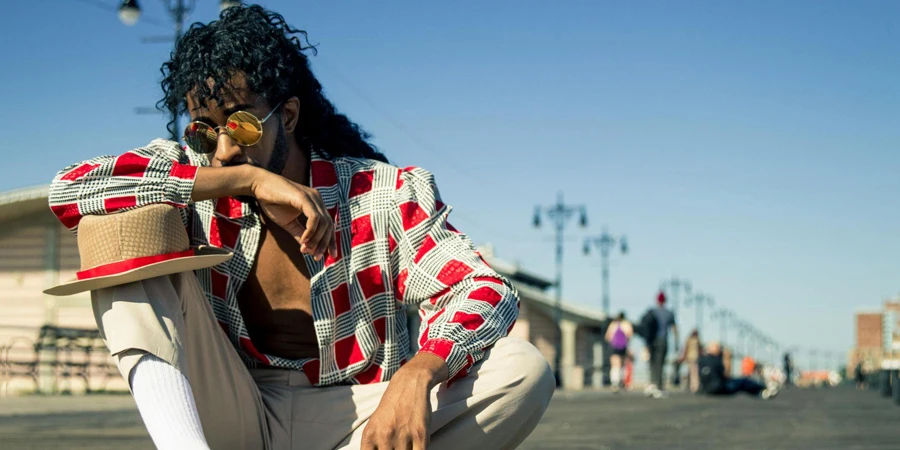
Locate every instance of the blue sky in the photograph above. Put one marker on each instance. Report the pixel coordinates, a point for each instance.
(748, 146)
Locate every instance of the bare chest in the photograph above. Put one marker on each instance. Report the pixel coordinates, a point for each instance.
(275, 300)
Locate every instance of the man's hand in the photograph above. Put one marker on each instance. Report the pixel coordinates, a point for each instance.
(292, 206)
(402, 418)
(297, 209)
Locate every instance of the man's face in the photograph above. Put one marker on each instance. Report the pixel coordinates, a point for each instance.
(269, 152)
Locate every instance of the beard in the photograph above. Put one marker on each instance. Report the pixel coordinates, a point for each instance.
(279, 152)
(276, 161)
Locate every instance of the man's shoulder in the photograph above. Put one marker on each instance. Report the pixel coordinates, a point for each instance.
(381, 173)
(175, 151)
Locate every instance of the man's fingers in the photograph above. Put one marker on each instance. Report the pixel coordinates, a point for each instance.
(332, 247)
(368, 443)
(319, 239)
(295, 229)
(419, 439)
(319, 226)
(323, 240)
(312, 218)
(401, 441)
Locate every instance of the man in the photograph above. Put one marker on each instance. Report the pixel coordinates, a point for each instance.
(665, 320)
(330, 244)
(788, 369)
(714, 381)
(859, 376)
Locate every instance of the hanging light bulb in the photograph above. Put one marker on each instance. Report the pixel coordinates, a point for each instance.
(129, 12)
(225, 4)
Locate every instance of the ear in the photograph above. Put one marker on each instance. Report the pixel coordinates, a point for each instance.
(290, 114)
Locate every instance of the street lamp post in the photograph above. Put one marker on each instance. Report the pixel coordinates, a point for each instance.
(770, 348)
(606, 243)
(742, 329)
(130, 13)
(751, 342)
(560, 213)
(722, 315)
(676, 284)
(698, 300)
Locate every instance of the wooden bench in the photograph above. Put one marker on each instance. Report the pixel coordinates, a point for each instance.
(60, 355)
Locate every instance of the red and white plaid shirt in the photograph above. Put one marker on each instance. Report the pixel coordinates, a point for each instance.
(394, 243)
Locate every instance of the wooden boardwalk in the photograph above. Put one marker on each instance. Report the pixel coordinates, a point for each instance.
(841, 418)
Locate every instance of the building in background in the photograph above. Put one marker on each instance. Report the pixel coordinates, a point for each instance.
(877, 336)
(36, 251)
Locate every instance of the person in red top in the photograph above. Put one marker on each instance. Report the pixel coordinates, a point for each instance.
(748, 366)
(331, 243)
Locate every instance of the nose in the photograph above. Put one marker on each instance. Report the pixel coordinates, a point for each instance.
(227, 151)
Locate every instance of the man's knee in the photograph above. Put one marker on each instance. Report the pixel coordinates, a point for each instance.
(140, 318)
(529, 371)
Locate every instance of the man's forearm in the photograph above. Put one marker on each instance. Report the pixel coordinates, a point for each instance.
(429, 367)
(219, 182)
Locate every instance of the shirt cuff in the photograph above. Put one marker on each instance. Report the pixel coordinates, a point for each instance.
(457, 358)
(180, 184)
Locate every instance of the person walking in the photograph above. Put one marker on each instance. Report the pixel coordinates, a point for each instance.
(662, 319)
(689, 356)
(788, 368)
(618, 335)
(859, 376)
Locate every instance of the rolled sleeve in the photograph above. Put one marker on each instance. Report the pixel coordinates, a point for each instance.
(465, 305)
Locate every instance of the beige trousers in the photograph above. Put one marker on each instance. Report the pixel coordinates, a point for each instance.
(495, 407)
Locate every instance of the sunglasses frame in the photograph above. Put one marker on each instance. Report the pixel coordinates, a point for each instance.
(230, 133)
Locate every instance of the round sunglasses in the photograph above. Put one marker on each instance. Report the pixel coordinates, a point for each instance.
(245, 128)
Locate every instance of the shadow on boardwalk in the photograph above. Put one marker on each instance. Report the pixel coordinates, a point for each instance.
(840, 418)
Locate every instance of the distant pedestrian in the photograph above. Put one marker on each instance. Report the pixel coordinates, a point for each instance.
(690, 355)
(655, 327)
(859, 376)
(788, 369)
(727, 360)
(714, 381)
(748, 366)
(618, 334)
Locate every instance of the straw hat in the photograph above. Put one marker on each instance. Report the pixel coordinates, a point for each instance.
(135, 245)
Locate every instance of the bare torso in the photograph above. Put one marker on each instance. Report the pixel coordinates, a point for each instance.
(275, 299)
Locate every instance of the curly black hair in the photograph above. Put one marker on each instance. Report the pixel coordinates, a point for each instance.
(258, 42)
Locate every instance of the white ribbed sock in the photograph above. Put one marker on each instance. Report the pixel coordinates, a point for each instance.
(164, 398)
(614, 377)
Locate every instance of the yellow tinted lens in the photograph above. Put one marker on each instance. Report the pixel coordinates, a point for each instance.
(244, 128)
(200, 137)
